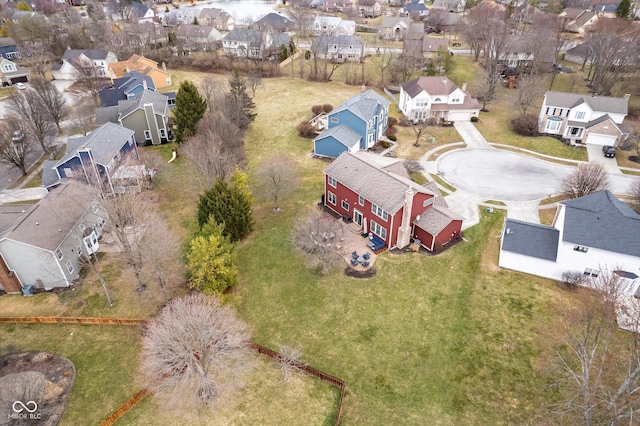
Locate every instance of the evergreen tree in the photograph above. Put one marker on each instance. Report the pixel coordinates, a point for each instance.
(211, 262)
(239, 95)
(227, 205)
(190, 108)
(624, 8)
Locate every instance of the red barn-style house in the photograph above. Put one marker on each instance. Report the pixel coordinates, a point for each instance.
(382, 200)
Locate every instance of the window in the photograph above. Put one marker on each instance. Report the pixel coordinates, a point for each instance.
(553, 124)
(588, 272)
(361, 200)
(335, 120)
(427, 202)
(581, 249)
(378, 230)
(147, 135)
(163, 133)
(379, 211)
(575, 130)
(580, 115)
(68, 172)
(332, 198)
(345, 205)
(7, 68)
(331, 181)
(370, 138)
(70, 267)
(59, 254)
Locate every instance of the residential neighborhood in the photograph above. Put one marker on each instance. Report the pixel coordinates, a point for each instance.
(320, 212)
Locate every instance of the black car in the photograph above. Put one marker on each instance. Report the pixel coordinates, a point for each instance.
(609, 151)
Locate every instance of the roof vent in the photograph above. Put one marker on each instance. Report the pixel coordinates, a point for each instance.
(37, 223)
(509, 231)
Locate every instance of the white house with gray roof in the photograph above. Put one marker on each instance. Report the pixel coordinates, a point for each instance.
(583, 118)
(252, 43)
(83, 62)
(589, 234)
(436, 97)
(339, 48)
(41, 244)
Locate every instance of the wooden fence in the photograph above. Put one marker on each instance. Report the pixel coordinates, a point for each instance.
(121, 411)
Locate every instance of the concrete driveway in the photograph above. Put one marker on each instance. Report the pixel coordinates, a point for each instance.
(507, 176)
(596, 155)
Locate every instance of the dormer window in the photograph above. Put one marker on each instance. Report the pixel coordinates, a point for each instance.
(580, 115)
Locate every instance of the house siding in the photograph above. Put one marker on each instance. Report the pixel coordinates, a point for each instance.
(330, 147)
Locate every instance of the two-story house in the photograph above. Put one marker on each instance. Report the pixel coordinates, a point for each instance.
(147, 114)
(252, 43)
(95, 158)
(125, 87)
(395, 28)
(437, 97)
(160, 77)
(383, 201)
(43, 245)
(583, 118)
(198, 37)
(339, 48)
(9, 48)
(332, 25)
(76, 62)
(358, 123)
(220, 19)
(11, 73)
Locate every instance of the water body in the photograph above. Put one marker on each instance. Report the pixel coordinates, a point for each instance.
(243, 11)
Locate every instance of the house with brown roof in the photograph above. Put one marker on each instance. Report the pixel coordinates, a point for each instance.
(387, 205)
(583, 118)
(220, 19)
(579, 21)
(198, 37)
(370, 8)
(161, 78)
(522, 51)
(146, 33)
(437, 97)
(41, 245)
(420, 46)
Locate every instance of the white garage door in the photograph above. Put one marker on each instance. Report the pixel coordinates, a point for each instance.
(459, 116)
(597, 139)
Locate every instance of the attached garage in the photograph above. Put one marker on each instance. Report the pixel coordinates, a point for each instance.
(600, 139)
(459, 116)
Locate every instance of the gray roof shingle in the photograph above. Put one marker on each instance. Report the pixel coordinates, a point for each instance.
(364, 105)
(602, 221)
(596, 103)
(530, 239)
(435, 219)
(105, 142)
(343, 134)
(432, 85)
(379, 186)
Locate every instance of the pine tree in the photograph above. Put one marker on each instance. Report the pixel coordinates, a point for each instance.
(227, 205)
(624, 8)
(239, 95)
(190, 108)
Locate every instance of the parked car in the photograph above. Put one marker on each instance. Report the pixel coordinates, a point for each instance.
(609, 151)
(20, 86)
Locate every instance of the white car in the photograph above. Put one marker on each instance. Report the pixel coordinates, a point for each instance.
(20, 86)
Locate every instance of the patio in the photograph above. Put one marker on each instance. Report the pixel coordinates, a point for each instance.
(352, 244)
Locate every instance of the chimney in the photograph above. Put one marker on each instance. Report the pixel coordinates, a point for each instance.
(363, 88)
(164, 67)
(627, 96)
(404, 232)
(464, 87)
(144, 84)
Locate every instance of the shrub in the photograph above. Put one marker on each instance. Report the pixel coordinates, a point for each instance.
(327, 108)
(571, 279)
(385, 144)
(316, 109)
(392, 121)
(392, 138)
(404, 121)
(474, 119)
(306, 130)
(526, 125)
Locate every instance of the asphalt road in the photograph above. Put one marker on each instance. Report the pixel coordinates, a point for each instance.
(507, 176)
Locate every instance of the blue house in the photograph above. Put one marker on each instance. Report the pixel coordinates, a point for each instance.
(364, 115)
(127, 87)
(96, 158)
(9, 49)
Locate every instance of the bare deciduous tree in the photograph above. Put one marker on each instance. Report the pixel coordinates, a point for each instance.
(413, 166)
(419, 127)
(382, 59)
(195, 350)
(86, 261)
(586, 179)
(52, 101)
(402, 68)
(316, 233)
(160, 250)
(302, 14)
(82, 115)
(254, 82)
(529, 89)
(289, 360)
(276, 177)
(601, 366)
(15, 144)
(29, 108)
(211, 90)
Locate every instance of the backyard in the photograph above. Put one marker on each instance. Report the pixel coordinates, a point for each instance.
(449, 338)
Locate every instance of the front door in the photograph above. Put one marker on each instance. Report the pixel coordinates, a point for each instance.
(357, 217)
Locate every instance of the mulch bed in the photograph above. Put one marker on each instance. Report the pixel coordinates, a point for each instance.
(350, 272)
(40, 381)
